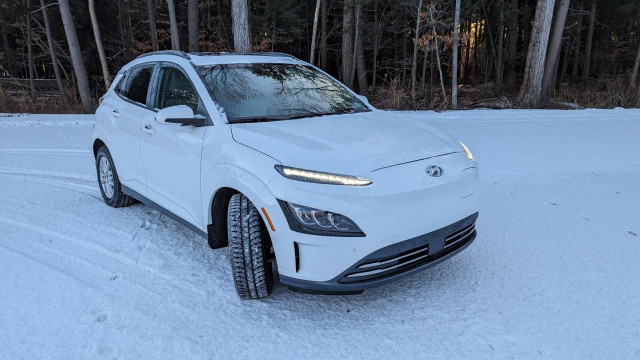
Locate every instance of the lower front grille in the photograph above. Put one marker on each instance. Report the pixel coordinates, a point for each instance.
(376, 266)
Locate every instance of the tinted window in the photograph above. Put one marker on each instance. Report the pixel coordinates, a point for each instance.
(175, 89)
(262, 92)
(136, 85)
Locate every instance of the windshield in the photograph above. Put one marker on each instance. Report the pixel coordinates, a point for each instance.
(268, 92)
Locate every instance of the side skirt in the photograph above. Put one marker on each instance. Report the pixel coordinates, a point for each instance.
(134, 194)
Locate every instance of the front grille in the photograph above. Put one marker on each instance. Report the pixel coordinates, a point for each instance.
(378, 267)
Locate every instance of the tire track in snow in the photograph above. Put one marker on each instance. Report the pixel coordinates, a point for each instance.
(91, 191)
(45, 151)
(101, 249)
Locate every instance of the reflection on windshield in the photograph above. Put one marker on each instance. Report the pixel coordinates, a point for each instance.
(264, 92)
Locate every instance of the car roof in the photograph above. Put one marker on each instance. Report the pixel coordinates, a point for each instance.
(211, 58)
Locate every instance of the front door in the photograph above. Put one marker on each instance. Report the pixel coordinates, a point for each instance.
(172, 152)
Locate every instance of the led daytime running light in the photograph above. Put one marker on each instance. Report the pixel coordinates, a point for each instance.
(321, 177)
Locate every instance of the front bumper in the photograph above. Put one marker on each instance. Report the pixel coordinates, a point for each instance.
(395, 261)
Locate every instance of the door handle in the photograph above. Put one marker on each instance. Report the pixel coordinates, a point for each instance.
(116, 113)
(148, 129)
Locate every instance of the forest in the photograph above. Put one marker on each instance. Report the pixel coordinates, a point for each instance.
(401, 54)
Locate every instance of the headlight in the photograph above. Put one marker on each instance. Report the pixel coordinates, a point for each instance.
(308, 220)
(466, 150)
(320, 177)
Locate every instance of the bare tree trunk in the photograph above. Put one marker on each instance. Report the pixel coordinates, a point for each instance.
(52, 53)
(576, 54)
(347, 39)
(76, 56)
(314, 34)
(512, 44)
(634, 73)
(565, 63)
(355, 46)
(500, 46)
(592, 23)
(423, 78)
(323, 36)
(467, 61)
(376, 44)
(360, 66)
(435, 36)
(175, 36)
(454, 77)
(193, 20)
(5, 42)
(96, 34)
(240, 17)
(414, 64)
(531, 90)
(122, 27)
(32, 84)
(151, 10)
(553, 54)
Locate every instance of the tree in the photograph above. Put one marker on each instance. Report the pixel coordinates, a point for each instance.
(531, 90)
(76, 56)
(347, 39)
(52, 54)
(414, 64)
(323, 35)
(500, 46)
(634, 72)
(240, 17)
(454, 77)
(314, 34)
(96, 34)
(5, 40)
(592, 22)
(512, 42)
(32, 84)
(175, 36)
(553, 54)
(151, 11)
(194, 22)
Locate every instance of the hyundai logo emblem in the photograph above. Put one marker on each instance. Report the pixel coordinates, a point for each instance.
(434, 171)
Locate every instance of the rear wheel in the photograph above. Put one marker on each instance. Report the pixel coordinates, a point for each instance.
(249, 249)
(108, 180)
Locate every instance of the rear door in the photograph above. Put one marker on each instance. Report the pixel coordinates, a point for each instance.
(171, 152)
(125, 120)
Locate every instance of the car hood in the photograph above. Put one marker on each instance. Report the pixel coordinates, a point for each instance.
(352, 144)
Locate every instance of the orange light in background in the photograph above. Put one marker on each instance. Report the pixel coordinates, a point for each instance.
(268, 219)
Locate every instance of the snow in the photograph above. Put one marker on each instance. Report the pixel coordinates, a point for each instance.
(553, 273)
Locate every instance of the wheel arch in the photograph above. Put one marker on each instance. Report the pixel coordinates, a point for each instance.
(97, 144)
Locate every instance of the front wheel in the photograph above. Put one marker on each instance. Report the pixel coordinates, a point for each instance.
(249, 249)
(108, 180)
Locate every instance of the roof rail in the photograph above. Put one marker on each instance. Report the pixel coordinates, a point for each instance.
(182, 54)
(269, 53)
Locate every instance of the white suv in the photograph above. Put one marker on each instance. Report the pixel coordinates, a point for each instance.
(275, 158)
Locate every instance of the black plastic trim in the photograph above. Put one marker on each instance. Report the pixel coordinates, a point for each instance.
(435, 237)
(294, 225)
(150, 203)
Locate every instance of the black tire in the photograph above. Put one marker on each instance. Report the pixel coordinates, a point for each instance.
(249, 249)
(117, 198)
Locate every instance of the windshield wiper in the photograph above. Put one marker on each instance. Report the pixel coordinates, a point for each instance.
(241, 120)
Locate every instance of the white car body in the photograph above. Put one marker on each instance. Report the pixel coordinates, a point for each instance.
(180, 169)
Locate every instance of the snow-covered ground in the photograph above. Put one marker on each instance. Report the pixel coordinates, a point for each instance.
(554, 272)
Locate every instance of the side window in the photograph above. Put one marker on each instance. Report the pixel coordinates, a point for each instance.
(175, 89)
(136, 85)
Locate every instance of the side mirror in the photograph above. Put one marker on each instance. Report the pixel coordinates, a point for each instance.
(180, 114)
